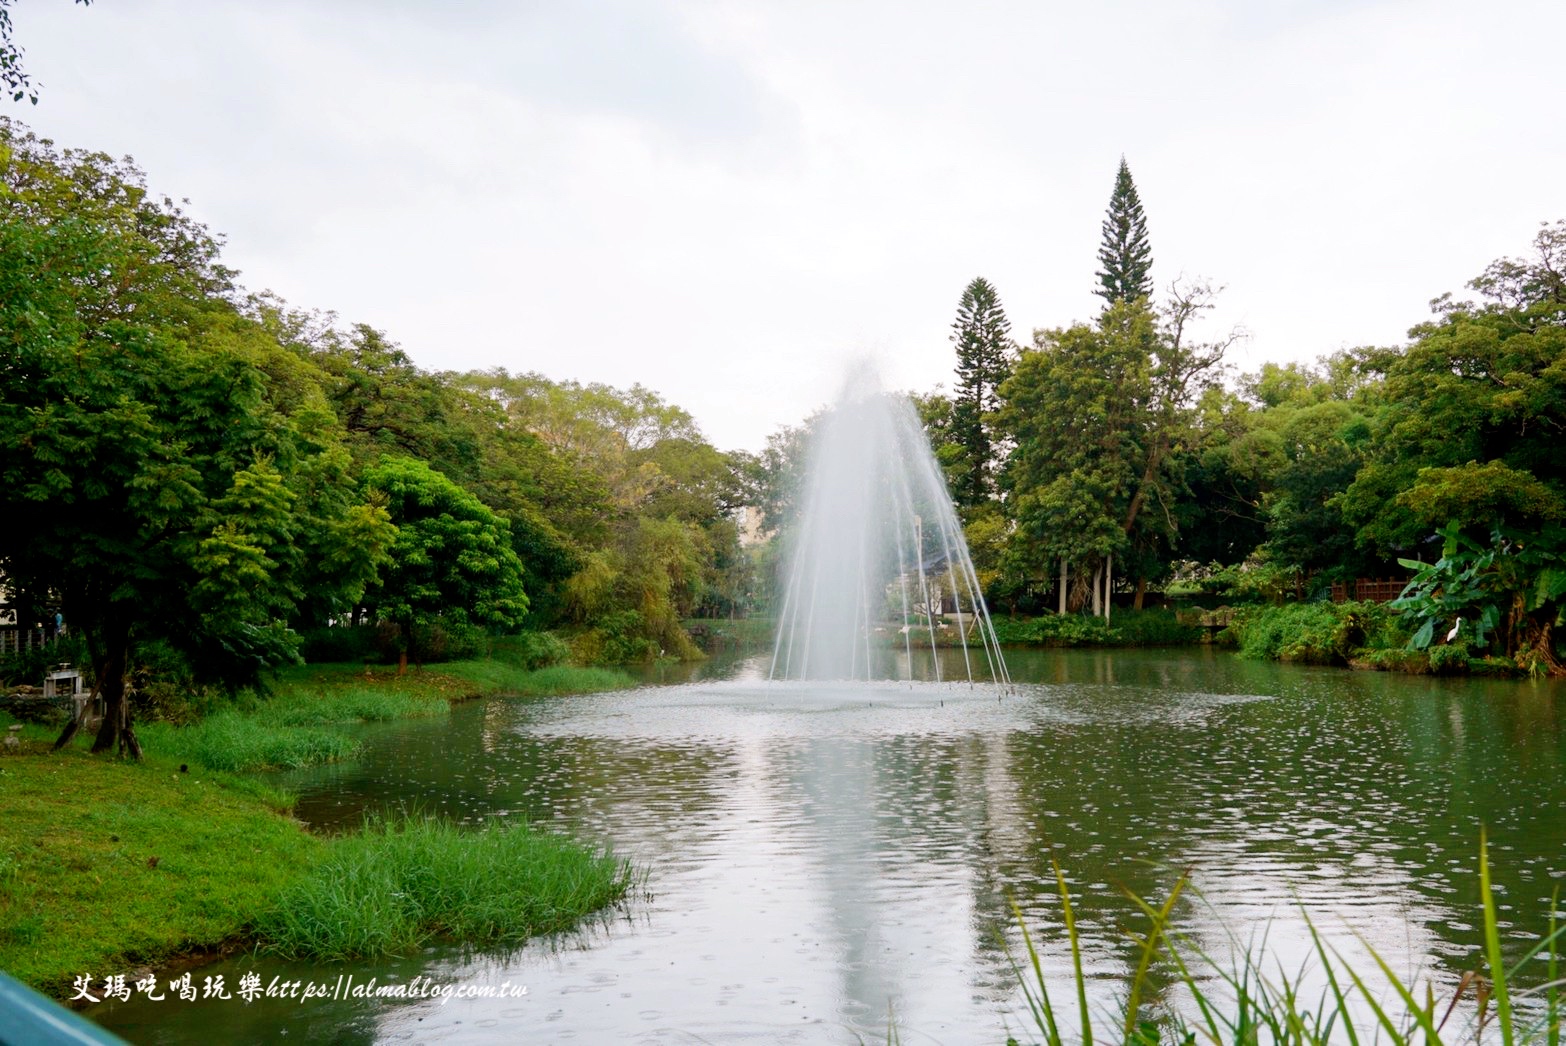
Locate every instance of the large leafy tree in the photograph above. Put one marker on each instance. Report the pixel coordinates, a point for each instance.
(1074, 408)
(1104, 419)
(451, 559)
(660, 543)
(1474, 412)
(981, 333)
(1124, 255)
(152, 472)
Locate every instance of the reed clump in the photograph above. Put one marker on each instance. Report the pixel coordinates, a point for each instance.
(231, 741)
(395, 885)
(1247, 1003)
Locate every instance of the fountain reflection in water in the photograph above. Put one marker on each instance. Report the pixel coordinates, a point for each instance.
(878, 562)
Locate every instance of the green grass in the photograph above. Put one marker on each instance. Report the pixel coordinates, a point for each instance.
(232, 741)
(1250, 1003)
(497, 677)
(106, 864)
(390, 888)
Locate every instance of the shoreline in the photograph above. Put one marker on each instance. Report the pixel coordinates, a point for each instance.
(113, 867)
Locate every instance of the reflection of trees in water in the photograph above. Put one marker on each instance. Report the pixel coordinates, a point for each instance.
(1360, 794)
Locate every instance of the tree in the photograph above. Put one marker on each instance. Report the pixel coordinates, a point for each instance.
(1474, 412)
(1073, 409)
(451, 559)
(981, 334)
(1103, 420)
(1124, 253)
(149, 471)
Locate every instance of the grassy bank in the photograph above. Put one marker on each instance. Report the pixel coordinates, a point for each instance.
(110, 867)
(1126, 628)
(392, 887)
(298, 723)
(107, 866)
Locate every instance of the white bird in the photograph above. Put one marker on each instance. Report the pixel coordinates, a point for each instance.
(1455, 626)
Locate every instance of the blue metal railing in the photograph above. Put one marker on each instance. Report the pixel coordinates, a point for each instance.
(30, 1019)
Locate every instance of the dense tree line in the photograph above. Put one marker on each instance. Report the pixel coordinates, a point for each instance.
(1127, 454)
(187, 463)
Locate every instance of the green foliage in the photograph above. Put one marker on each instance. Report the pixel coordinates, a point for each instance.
(1257, 1001)
(27, 666)
(1101, 418)
(1474, 412)
(1131, 628)
(1124, 252)
(451, 559)
(531, 650)
(619, 638)
(1509, 593)
(392, 887)
(981, 334)
(153, 473)
(1309, 633)
(1257, 580)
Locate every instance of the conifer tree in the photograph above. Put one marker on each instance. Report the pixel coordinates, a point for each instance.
(1124, 254)
(981, 334)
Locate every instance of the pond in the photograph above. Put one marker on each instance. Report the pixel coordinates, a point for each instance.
(822, 860)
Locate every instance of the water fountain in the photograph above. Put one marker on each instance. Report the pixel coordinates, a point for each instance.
(878, 557)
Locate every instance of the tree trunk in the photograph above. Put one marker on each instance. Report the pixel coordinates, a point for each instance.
(1533, 645)
(1141, 593)
(78, 719)
(1098, 574)
(1109, 580)
(1062, 584)
(117, 731)
(407, 643)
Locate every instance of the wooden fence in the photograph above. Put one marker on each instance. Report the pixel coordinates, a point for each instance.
(1368, 590)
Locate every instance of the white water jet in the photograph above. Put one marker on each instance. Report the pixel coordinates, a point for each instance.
(878, 557)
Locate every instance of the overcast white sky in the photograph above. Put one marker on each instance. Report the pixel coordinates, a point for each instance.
(726, 201)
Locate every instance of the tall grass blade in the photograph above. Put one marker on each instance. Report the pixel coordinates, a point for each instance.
(1149, 949)
(1492, 943)
(1332, 980)
(1043, 1012)
(1076, 953)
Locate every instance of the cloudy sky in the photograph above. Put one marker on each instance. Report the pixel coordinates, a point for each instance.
(727, 201)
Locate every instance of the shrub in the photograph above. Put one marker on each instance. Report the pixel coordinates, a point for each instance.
(1308, 633)
(343, 643)
(1127, 628)
(1449, 660)
(531, 650)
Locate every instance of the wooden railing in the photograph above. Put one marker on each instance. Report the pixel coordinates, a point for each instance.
(1368, 590)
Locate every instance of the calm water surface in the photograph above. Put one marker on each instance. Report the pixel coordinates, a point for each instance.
(818, 857)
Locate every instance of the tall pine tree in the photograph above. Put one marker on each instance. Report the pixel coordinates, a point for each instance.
(981, 333)
(1124, 254)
